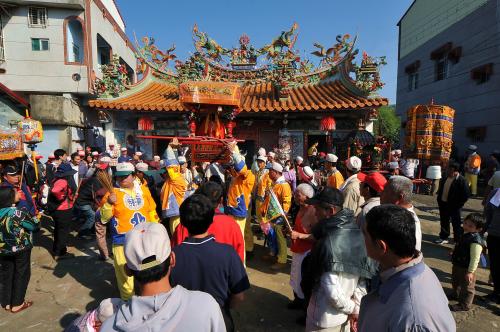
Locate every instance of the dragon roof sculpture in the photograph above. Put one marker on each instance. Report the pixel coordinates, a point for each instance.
(277, 62)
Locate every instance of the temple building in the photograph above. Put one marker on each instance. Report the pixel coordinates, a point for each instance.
(264, 96)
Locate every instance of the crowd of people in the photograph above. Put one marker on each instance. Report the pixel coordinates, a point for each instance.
(181, 235)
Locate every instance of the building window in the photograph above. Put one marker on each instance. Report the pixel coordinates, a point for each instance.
(104, 51)
(482, 74)
(476, 134)
(39, 44)
(76, 52)
(412, 71)
(442, 68)
(74, 43)
(37, 17)
(442, 57)
(412, 81)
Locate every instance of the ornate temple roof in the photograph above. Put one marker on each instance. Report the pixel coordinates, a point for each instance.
(158, 96)
(282, 81)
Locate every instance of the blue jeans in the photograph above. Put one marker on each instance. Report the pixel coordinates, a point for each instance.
(88, 215)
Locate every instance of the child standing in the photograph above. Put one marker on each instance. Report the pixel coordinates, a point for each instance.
(465, 258)
(16, 227)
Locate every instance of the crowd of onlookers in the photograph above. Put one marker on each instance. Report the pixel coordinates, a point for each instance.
(180, 231)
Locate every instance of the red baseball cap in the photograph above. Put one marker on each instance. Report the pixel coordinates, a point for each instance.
(375, 180)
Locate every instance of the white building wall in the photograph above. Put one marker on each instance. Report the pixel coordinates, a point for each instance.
(113, 10)
(40, 71)
(102, 26)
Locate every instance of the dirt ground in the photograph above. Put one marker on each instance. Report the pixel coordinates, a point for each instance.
(63, 290)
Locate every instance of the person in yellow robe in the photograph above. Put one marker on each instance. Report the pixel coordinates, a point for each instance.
(334, 178)
(173, 191)
(283, 193)
(126, 207)
(472, 169)
(239, 194)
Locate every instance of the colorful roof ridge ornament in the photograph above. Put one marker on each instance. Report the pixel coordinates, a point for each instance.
(114, 79)
(277, 62)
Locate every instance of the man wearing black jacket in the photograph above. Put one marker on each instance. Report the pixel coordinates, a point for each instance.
(335, 273)
(452, 194)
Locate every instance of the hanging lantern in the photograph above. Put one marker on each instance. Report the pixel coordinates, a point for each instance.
(145, 123)
(327, 123)
(11, 144)
(31, 130)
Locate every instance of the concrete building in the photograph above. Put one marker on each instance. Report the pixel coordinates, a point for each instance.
(50, 54)
(449, 51)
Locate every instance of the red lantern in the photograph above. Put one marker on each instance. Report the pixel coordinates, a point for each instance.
(145, 123)
(327, 123)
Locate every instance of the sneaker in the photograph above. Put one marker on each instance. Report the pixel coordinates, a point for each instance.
(442, 241)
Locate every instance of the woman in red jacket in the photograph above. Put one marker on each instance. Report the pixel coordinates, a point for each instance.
(62, 197)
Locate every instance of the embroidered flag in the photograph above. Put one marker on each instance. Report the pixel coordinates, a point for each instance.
(274, 209)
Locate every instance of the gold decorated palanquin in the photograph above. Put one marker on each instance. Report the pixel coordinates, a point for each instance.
(259, 85)
(429, 133)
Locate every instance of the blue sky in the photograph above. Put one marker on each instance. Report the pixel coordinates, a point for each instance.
(262, 20)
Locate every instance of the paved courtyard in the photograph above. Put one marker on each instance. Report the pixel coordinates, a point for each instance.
(63, 290)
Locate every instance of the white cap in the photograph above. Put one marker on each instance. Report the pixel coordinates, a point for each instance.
(331, 158)
(142, 167)
(397, 151)
(138, 153)
(393, 165)
(156, 158)
(472, 147)
(308, 171)
(105, 159)
(277, 167)
(261, 152)
(124, 169)
(182, 160)
(95, 153)
(299, 159)
(123, 149)
(147, 240)
(271, 154)
(353, 163)
(262, 158)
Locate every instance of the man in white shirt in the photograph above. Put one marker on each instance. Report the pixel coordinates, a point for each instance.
(75, 164)
(399, 191)
(350, 188)
(338, 266)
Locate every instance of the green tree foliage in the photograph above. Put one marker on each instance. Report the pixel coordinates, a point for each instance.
(388, 124)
